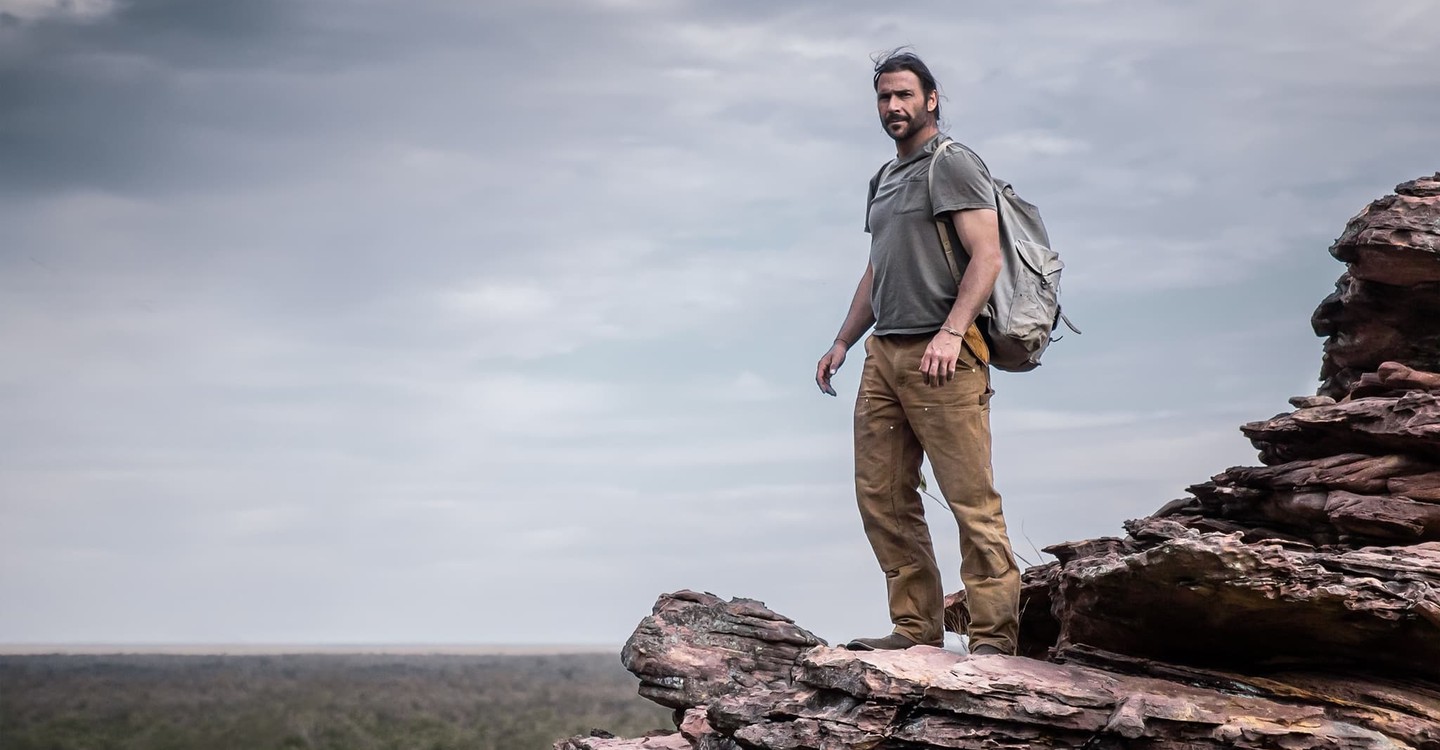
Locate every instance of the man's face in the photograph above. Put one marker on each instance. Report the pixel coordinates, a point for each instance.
(904, 107)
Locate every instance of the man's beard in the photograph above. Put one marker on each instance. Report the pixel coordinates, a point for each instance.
(912, 126)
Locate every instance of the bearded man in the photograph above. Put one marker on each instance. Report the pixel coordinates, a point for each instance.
(925, 386)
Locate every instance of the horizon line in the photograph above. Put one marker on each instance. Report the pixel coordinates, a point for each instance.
(275, 649)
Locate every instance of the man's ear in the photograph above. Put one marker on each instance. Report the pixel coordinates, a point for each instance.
(932, 102)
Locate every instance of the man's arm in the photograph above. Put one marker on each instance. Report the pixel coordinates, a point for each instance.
(857, 321)
(979, 231)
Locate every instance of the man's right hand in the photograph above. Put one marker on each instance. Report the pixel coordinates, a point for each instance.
(829, 365)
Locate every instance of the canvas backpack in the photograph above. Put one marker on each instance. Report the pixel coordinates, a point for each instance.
(1024, 309)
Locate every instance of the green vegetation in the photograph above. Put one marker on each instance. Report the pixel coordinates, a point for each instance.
(297, 702)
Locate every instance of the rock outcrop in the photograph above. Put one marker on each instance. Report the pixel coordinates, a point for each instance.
(1385, 305)
(1290, 605)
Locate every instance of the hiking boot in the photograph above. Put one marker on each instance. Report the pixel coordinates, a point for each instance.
(987, 649)
(892, 642)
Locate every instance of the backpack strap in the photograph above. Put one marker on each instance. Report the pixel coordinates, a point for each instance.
(974, 337)
(942, 226)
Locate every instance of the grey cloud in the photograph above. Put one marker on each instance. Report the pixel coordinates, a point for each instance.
(340, 309)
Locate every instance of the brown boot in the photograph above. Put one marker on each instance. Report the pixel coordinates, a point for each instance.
(892, 642)
(988, 649)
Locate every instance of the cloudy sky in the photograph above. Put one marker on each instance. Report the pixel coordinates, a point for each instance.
(345, 321)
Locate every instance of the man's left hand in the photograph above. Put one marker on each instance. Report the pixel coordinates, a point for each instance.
(938, 364)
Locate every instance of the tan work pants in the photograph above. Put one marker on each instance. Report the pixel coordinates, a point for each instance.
(897, 417)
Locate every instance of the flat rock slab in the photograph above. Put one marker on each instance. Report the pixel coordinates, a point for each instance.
(1325, 507)
(674, 741)
(1406, 425)
(930, 698)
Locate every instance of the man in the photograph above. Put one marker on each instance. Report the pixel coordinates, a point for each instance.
(925, 387)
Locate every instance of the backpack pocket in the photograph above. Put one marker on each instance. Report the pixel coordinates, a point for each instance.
(1036, 292)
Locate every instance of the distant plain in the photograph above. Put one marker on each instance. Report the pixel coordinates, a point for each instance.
(352, 696)
(270, 649)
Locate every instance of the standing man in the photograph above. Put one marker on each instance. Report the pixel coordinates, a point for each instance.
(925, 387)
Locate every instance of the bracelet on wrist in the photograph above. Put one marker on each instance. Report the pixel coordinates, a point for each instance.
(952, 331)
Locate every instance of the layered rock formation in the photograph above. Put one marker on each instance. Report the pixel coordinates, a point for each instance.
(1385, 305)
(1290, 605)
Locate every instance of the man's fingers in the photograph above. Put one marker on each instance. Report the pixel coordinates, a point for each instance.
(827, 367)
(937, 368)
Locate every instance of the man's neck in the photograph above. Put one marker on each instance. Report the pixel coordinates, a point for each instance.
(915, 141)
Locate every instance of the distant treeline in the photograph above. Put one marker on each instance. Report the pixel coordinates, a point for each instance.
(354, 702)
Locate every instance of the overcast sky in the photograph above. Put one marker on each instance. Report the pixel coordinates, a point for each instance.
(344, 321)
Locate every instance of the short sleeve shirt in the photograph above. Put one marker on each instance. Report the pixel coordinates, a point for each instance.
(913, 288)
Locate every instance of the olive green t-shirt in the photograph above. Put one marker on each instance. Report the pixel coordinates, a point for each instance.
(913, 289)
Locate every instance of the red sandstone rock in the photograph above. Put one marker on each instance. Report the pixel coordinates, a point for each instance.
(1293, 605)
(659, 742)
(1197, 598)
(702, 736)
(1395, 240)
(696, 647)
(1406, 425)
(1351, 498)
(1386, 307)
(930, 698)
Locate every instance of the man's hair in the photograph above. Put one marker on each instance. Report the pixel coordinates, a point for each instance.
(902, 58)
